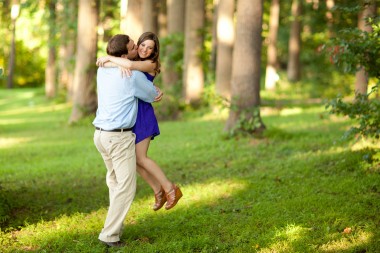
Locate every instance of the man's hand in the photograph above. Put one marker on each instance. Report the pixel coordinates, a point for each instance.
(102, 60)
(159, 96)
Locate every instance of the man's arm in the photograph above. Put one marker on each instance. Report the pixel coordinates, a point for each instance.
(142, 87)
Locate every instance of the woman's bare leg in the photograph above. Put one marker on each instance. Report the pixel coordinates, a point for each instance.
(152, 182)
(153, 173)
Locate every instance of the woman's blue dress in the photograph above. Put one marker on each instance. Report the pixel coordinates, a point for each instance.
(146, 122)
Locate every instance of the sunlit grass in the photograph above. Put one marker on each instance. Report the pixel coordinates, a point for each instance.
(295, 189)
(10, 142)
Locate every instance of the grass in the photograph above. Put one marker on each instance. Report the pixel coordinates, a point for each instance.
(297, 189)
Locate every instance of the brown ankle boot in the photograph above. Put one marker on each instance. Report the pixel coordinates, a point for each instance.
(172, 197)
(160, 199)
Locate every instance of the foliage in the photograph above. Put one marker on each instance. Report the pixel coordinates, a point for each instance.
(249, 121)
(171, 55)
(291, 191)
(355, 48)
(359, 48)
(364, 110)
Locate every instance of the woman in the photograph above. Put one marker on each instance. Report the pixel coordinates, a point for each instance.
(146, 127)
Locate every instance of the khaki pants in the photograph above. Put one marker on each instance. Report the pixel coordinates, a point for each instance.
(119, 155)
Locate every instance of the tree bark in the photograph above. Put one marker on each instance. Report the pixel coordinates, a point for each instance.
(131, 18)
(162, 18)
(294, 68)
(84, 97)
(271, 76)
(330, 18)
(176, 25)
(245, 85)
(50, 71)
(361, 83)
(193, 72)
(66, 52)
(225, 39)
(150, 16)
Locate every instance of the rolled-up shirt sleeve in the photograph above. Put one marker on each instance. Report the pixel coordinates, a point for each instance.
(142, 87)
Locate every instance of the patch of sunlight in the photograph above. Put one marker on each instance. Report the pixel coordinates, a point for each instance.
(206, 194)
(291, 232)
(10, 142)
(215, 114)
(284, 237)
(35, 109)
(291, 111)
(75, 225)
(365, 143)
(347, 243)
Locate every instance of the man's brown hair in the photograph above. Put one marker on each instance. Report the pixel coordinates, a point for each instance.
(117, 45)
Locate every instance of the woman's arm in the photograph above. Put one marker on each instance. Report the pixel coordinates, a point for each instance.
(145, 66)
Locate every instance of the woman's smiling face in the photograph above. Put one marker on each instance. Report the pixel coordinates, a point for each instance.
(145, 49)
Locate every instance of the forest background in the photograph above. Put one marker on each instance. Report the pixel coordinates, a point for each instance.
(236, 60)
(292, 55)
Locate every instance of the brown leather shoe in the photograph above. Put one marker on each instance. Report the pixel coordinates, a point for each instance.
(172, 197)
(117, 244)
(160, 198)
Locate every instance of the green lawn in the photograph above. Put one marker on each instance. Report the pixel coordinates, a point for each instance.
(297, 189)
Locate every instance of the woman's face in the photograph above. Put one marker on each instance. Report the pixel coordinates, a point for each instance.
(146, 48)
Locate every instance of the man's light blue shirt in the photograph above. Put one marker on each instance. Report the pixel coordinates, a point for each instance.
(117, 98)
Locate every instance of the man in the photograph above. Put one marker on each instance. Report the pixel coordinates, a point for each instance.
(115, 117)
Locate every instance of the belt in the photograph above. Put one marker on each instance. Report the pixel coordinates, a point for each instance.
(115, 130)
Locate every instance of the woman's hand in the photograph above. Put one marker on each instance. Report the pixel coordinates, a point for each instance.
(102, 60)
(125, 72)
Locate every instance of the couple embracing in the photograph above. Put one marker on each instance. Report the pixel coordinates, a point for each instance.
(125, 124)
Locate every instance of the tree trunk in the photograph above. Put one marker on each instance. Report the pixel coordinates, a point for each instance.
(176, 25)
(214, 40)
(271, 76)
(361, 83)
(150, 16)
(225, 39)
(245, 85)
(131, 18)
(162, 18)
(193, 72)
(50, 71)
(66, 65)
(84, 97)
(294, 68)
(330, 18)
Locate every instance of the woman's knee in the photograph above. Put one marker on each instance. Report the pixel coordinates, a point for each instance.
(141, 160)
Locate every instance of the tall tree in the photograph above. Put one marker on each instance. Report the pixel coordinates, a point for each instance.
(150, 12)
(67, 22)
(369, 10)
(329, 17)
(294, 68)
(15, 10)
(245, 85)
(131, 18)
(271, 76)
(225, 41)
(84, 96)
(193, 78)
(50, 71)
(176, 26)
(162, 18)
(214, 40)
